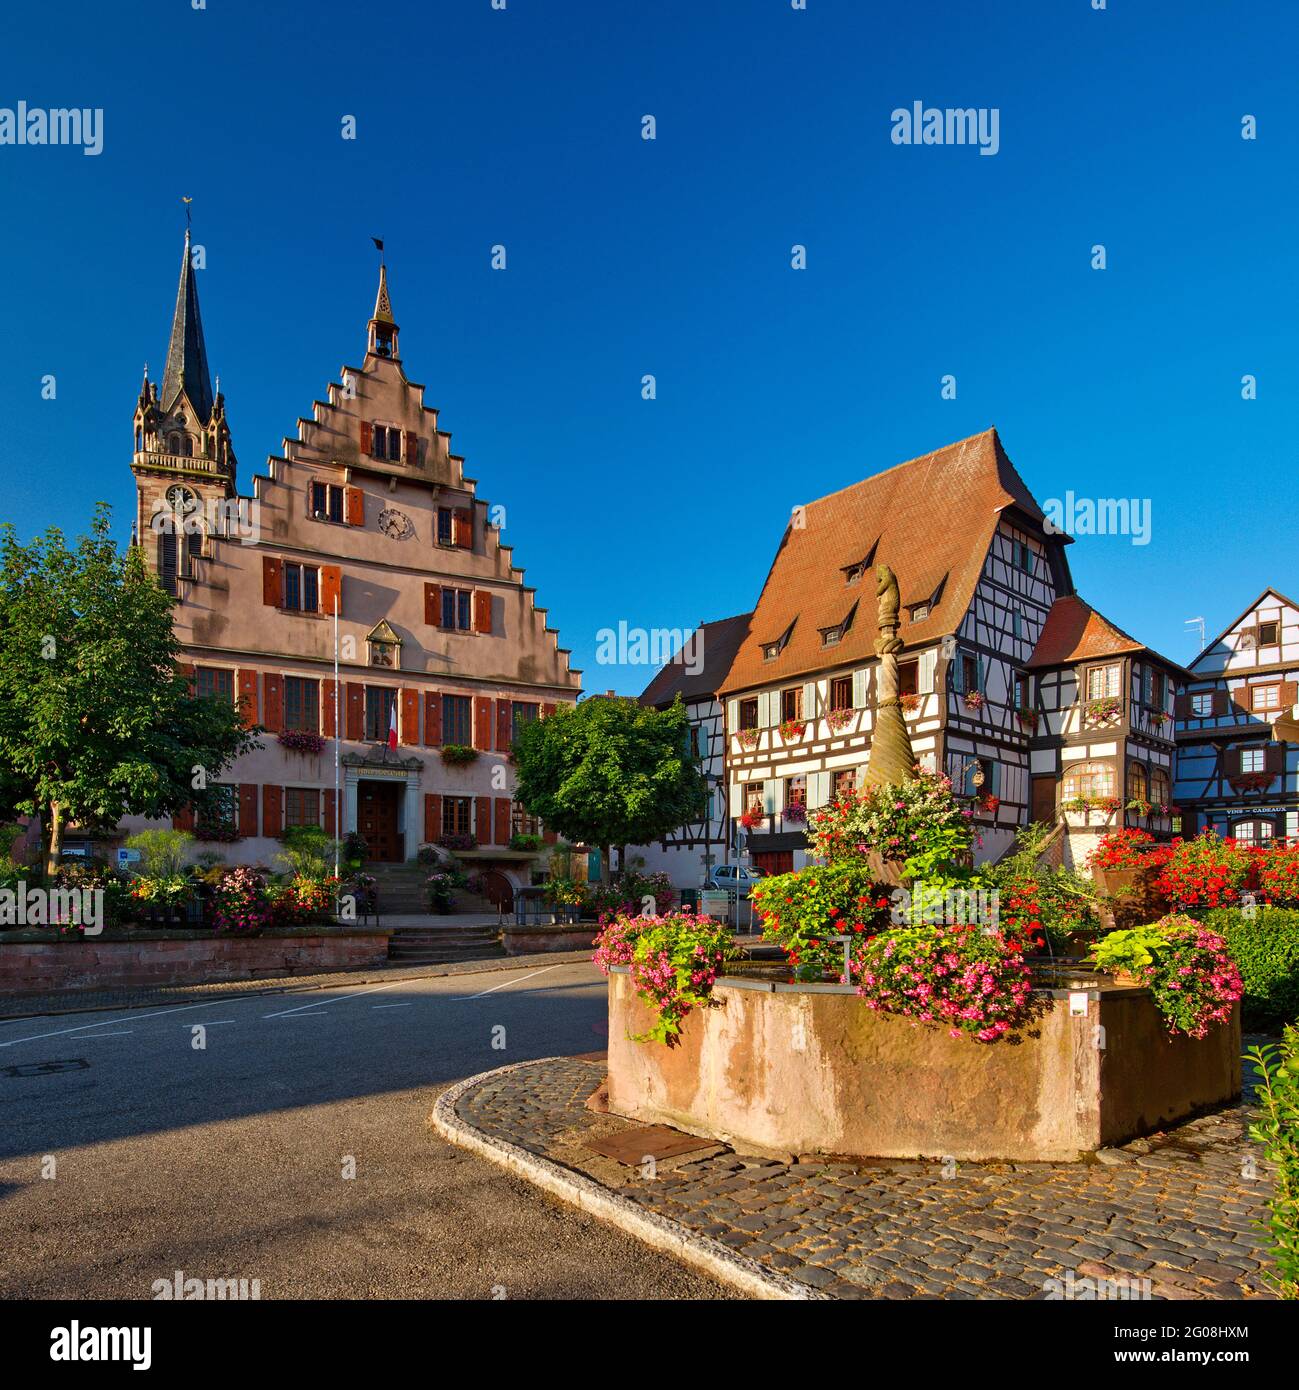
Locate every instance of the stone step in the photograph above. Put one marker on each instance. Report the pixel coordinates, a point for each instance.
(431, 957)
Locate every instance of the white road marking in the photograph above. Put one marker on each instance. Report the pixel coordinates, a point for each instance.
(392, 1006)
(108, 1022)
(122, 1034)
(320, 1003)
(211, 1023)
(519, 981)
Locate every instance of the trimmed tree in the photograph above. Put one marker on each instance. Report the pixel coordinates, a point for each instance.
(609, 772)
(96, 722)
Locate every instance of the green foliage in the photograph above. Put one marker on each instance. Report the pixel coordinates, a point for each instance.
(1040, 901)
(458, 754)
(1277, 1130)
(800, 910)
(526, 841)
(1133, 950)
(96, 723)
(1264, 943)
(355, 851)
(609, 772)
(308, 853)
(162, 852)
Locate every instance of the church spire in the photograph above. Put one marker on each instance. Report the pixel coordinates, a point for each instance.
(383, 328)
(187, 369)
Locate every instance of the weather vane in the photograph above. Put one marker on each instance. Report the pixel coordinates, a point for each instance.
(187, 201)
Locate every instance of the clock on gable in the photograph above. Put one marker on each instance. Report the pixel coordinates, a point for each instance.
(395, 525)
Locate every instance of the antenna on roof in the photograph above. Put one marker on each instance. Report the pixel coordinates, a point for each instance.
(1198, 625)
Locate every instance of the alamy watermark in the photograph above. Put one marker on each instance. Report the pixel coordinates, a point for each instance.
(659, 646)
(229, 518)
(21, 906)
(36, 125)
(1099, 516)
(919, 124)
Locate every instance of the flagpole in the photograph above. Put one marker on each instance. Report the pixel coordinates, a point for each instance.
(338, 809)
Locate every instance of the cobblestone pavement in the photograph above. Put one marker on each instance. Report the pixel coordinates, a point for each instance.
(79, 1000)
(1173, 1209)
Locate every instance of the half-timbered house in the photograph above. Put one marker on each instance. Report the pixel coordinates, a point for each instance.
(1100, 709)
(1237, 736)
(978, 570)
(690, 852)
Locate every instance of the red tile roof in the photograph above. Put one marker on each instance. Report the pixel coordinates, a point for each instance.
(1075, 631)
(931, 520)
(720, 641)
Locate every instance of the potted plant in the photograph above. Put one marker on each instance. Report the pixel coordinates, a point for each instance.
(910, 703)
(753, 818)
(1027, 717)
(791, 729)
(839, 719)
(748, 738)
(796, 813)
(974, 700)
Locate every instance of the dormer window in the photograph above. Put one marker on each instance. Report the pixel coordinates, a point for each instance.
(919, 611)
(832, 636)
(852, 573)
(770, 651)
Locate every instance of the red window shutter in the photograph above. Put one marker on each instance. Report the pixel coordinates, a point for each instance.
(483, 819)
(482, 611)
(186, 668)
(432, 719)
(432, 817)
(183, 819)
(410, 716)
(273, 702)
(331, 589)
(502, 808)
(504, 725)
(433, 605)
(247, 685)
(1274, 758)
(355, 506)
(1289, 694)
(331, 819)
(1189, 821)
(462, 527)
(248, 810)
(272, 809)
(548, 836)
(412, 447)
(355, 712)
(1182, 707)
(549, 707)
(271, 581)
(328, 707)
(367, 438)
(1221, 702)
(482, 723)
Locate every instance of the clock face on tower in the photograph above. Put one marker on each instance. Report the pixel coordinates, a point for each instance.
(394, 524)
(181, 499)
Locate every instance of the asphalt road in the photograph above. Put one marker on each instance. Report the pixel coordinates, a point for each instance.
(230, 1160)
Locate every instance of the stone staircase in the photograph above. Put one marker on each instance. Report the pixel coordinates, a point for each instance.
(434, 945)
(403, 890)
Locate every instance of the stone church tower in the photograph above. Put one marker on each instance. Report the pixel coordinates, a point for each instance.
(366, 517)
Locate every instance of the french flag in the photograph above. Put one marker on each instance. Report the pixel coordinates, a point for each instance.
(392, 728)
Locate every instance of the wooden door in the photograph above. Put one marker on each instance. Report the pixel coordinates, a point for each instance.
(1044, 800)
(376, 819)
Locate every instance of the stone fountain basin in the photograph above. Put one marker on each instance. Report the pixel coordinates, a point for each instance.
(796, 1069)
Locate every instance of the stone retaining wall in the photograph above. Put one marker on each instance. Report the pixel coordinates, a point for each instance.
(34, 962)
(791, 1070)
(565, 936)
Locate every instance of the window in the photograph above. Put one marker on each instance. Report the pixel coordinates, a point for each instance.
(698, 741)
(211, 682)
(770, 651)
(919, 612)
(326, 502)
(301, 704)
(1264, 697)
(754, 797)
(1024, 691)
(1102, 681)
(521, 823)
(832, 636)
(1202, 704)
(379, 705)
(457, 609)
(1138, 782)
(749, 713)
(1251, 760)
(457, 720)
(1251, 832)
(969, 671)
(301, 806)
(524, 712)
(909, 678)
(446, 531)
(301, 588)
(1268, 634)
(1088, 779)
(795, 791)
(845, 782)
(167, 560)
(1016, 623)
(1024, 556)
(455, 815)
(1156, 688)
(841, 693)
(791, 703)
(219, 818)
(387, 443)
(1160, 793)
(384, 653)
(852, 573)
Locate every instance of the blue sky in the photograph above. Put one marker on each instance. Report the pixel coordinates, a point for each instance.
(477, 126)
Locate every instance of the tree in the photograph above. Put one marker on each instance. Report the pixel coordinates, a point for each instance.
(96, 722)
(609, 772)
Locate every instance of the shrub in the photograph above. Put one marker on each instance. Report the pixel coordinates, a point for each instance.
(302, 900)
(673, 961)
(1046, 906)
(526, 841)
(972, 980)
(442, 888)
(458, 841)
(1207, 872)
(1264, 943)
(800, 910)
(240, 902)
(1277, 1130)
(632, 892)
(162, 852)
(1121, 849)
(1184, 964)
(308, 853)
(1278, 877)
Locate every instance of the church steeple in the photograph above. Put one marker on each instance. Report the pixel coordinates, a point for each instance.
(383, 330)
(187, 369)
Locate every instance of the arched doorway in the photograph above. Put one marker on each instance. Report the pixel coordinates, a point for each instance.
(497, 889)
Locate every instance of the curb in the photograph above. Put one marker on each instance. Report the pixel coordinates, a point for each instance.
(660, 1232)
(364, 976)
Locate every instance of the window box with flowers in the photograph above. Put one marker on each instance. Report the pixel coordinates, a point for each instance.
(796, 813)
(748, 738)
(454, 842)
(910, 703)
(792, 729)
(1107, 710)
(1027, 717)
(458, 755)
(987, 804)
(753, 818)
(1251, 781)
(1139, 806)
(1106, 805)
(974, 700)
(839, 719)
(299, 741)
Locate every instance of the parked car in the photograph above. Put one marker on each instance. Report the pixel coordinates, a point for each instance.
(735, 878)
